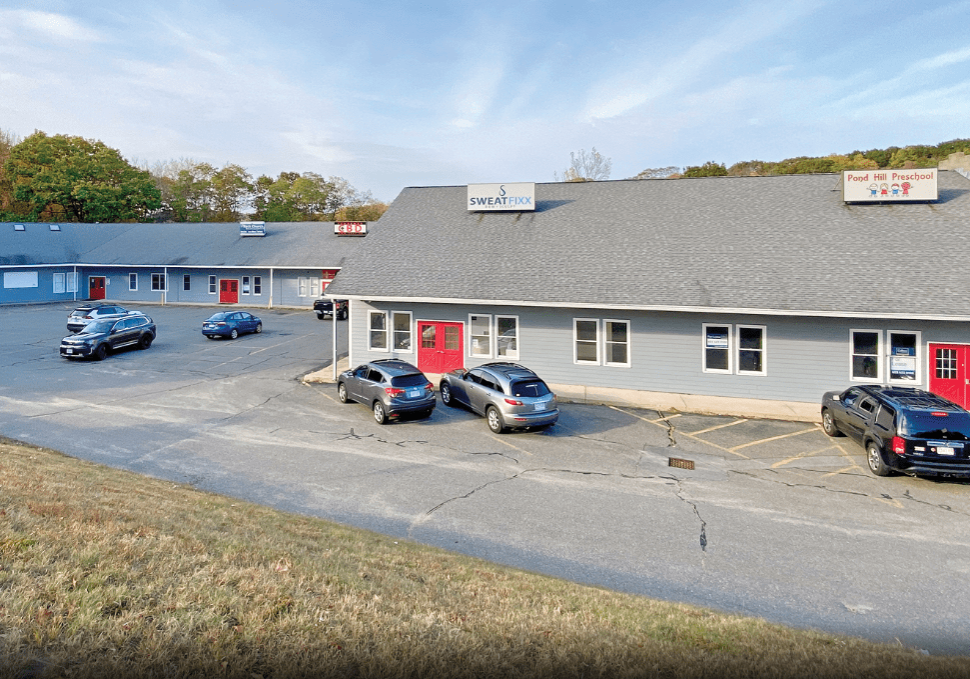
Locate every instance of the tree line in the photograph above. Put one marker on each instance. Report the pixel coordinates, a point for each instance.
(71, 179)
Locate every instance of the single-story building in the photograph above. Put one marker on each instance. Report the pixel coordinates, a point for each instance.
(741, 295)
(271, 264)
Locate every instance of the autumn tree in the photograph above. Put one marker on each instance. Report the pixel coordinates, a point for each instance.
(586, 167)
(708, 169)
(83, 180)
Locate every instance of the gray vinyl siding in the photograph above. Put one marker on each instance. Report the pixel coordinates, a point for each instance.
(804, 356)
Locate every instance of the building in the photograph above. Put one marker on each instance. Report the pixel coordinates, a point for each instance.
(270, 265)
(741, 295)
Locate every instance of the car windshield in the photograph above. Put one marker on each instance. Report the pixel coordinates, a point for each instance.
(99, 326)
(529, 388)
(926, 425)
(412, 380)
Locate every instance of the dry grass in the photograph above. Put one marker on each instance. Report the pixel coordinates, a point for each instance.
(104, 573)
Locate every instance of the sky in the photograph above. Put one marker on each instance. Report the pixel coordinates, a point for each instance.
(390, 94)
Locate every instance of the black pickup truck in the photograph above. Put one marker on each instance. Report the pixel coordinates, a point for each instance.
(325, 307)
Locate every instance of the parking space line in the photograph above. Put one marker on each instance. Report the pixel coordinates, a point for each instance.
(720, 426)
(773, 438)
(663, 423)
(782, 463)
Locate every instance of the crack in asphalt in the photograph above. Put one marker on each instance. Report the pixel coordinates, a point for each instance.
(693, 505)
(353, 436)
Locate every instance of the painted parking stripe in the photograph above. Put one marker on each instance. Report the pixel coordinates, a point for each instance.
(773, 438)
(663, 423)
(720, 426)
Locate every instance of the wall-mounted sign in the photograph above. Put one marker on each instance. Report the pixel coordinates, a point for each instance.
(350, 228)
(502, 197)
(889, 186)
(252, 228)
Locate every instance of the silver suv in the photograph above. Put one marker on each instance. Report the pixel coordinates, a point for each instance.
(389, 387)
(89, 313)
(510, 396)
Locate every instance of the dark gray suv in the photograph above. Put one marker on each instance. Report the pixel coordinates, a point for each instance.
(507, 394)
(389, 387)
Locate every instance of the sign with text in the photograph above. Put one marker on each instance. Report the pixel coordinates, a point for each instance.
(350, 228)
(517, 197)
(889, 186)
(252, 228)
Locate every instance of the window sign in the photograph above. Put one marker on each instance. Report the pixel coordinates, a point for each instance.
(904, 356)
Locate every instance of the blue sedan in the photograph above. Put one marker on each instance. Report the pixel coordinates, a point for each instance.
(231, 324)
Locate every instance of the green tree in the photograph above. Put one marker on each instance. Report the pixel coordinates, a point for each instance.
(708, 169)
(9, 206)
(232, 187)
(84, 180)
(658, 172)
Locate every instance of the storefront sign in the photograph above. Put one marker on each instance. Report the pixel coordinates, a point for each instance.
(350, 228)
(889, 186)
(518, 197)
(252, 228)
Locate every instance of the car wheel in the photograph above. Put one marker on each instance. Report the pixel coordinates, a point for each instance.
(828, 424)
(446, 397)
(320, 317)
(234, 334)
(100, 352)
(380, 415)
(877, 465)
(342, 393)
(146, 341)
(494, 420)
(343, 315)
(259, 328)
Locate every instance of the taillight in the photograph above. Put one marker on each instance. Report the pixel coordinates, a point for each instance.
(393, 391)
(429, 387)
(899, 445)
(513, 402)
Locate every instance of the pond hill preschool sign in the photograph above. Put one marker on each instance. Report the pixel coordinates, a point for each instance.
(876, 186)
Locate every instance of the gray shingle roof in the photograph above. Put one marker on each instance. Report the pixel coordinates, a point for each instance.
(286, 244)
(786, 244)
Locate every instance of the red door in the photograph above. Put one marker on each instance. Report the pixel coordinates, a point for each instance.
(228, 291)
(440, 348)
(96, 287)
(948, 372)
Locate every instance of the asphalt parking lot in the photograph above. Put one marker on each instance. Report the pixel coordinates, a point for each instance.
(760, 517)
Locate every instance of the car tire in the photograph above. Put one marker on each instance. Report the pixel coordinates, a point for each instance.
(320, 317)
(380, 414)
(100, 353)
(343, 315)
(494, 420)
(145, 342)
(877, 465)
(259, 328)
(446, 396)
(342, 393)
(234, 334)
(828, 424)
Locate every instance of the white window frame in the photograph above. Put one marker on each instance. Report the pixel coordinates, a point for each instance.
(245, 285)
(729, 349)
(60, 283)
(395, 332)
(918, 362)
(161, 277)
(133, 278)
(510, 355)
(764, 349)
(878, 355)
(474, 348)
(607, 342)
(213, 285)
(370, 331)
(257, 285)
(597, 348)
(72, 281)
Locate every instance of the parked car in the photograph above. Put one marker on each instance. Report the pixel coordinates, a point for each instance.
(390, 387)
(325, 307)
(902, 429)
(507, 394)
(89, 313)
(231, 324)
(100, 337)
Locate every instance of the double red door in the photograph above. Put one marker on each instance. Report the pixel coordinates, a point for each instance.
(440, 346)
(96, 287)
(948, 372)
(228, 291)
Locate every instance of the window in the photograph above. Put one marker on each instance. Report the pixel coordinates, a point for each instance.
(946, 364)
(308, 287)
(377, 333)
(72, 282)
(20, 279)
(751, 350)
(212, 285)
(257, 285)
(903, 356)
(480, 335)
(60, 283)
(616, 338)
(586, 340)
(864, 348)
(507, 336)
(132, 281)
(159, 282)
(245, 285)
(186, 282)
(402, 331)
(717, 348)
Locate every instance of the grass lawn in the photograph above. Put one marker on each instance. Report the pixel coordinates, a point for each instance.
(104, 573)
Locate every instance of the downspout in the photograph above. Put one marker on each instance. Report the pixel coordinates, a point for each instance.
(270, 306)
(165, 289)
(334, 338)
(76, 283)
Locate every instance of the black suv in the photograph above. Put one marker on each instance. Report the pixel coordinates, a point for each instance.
(390, 387)
(100, 337)
(902, 429)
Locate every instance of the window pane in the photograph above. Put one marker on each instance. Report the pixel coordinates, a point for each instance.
(402, 331)
(864, 366)
(452, 342)
(865, 343)
(717, 359)
(507, 341)
(865, 355)
(481, 329)
(586, 351)
(946, 364)
(749, 338)
(378, 321)
(616, 353)
(428, 337)
(749, 361)
(586, 331)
